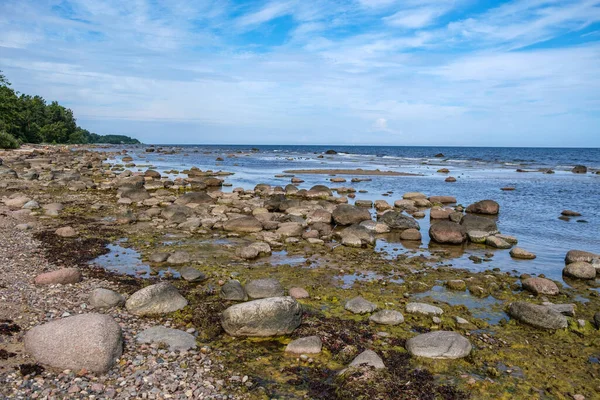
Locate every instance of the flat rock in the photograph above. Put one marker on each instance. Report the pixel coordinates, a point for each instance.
(305, 345)
(105, 298)
(423, 308)
(263, 288)
(498, 243)
(439, 345)
(176, 339)
(580, 270)
(62, 276)
(265, 317)
(179, 257)
(243, 225)
(396, 220)
(158, 257)
(522, 254)
(87, 341)
(579, 255)
(387, 317)
(538, 316)
(192, 274)
(359, 305)
(540, 286)
(161, 298)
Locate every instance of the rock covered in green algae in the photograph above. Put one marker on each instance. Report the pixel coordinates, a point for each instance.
(265, 317)
(538, 316)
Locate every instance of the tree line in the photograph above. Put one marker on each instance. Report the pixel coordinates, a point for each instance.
(29, 119)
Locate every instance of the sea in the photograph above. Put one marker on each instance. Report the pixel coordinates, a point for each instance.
(530, 212)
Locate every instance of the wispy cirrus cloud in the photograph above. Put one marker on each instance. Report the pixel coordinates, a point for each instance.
(326, 71)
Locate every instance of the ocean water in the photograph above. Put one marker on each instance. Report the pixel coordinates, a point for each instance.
(530, 212)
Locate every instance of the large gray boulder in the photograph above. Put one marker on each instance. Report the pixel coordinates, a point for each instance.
(473, 222)
(160, 298)
(538, 316)
(86, 341)
(174, 338)
(399, 221)
(346, 214)
(265, 317)
(365, 236)
(439, 345)
(582, 256)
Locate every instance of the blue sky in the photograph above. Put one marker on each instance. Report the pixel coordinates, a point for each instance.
(387, 72)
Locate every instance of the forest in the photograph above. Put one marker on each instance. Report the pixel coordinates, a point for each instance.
(30, 119)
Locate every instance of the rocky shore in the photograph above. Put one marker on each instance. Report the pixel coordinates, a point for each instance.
(275, 292)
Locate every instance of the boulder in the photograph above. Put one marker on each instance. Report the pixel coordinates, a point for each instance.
(447, 232)
(387, 317)
(359, 305)
(579, 169)
(477, 236)
(160, 298)
(584, 256)
(488, 207)
(364, 203)
(375, 227)
(423, 308)
(265, 317)
(540, 286)
(158, 257)
(523, 254)
(440, 213)
(299, 293)
(570, 213)
(580, 270)
(365, 236)
(176, 339)
(476, 223)
(105, 298)
(305, 345)
(498, 243)
(194, 198)
(233, 290)
(243, 225)
(439, 345)
(89, 342)
(398, 220)
(382, 205)
(263, 288)
(319, 216)
(346, 214)
(537, 316)
(414, 195)
(290, 229)
(368, 358)
(135, 194)
(61, 276)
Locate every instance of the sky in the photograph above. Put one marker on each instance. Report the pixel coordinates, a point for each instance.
(381, 72)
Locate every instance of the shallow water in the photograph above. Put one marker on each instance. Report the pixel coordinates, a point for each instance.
(530, 212)
(127, 261)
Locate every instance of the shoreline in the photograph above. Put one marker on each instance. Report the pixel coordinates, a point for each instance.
(157, 218)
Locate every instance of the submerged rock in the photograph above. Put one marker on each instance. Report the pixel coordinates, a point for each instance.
(161, 298)
(87, 341)
(265, 317)
(439, 345)
(537, 316)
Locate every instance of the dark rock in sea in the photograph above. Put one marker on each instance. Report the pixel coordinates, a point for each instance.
(447, 232)
(399, 221)
(346, 214)
(439, 155)
(331, 152)
(488, 207)
(579, 169)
